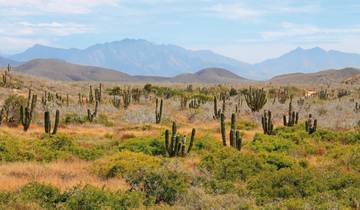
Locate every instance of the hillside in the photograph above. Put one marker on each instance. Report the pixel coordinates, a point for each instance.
(139, 57)
(322, 77)
(210, 75)
(61, 70)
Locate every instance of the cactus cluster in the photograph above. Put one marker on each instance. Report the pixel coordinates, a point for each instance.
(310, 125)
(126, 95)
(158, 111)
(323, 94)
(255, 99)
(293, 117)
(283, 95)
(343, 92)
(116, 102)
(266, 122)
(91, 115)
(6, 76)
(176, 144)
(217, 112)
(235, 138)
(47, 123)
(194, 103)
(27, 112)
(183, 102)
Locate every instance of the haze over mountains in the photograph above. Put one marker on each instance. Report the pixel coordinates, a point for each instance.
(140, 57)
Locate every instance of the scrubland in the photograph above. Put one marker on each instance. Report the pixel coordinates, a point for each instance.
(120, 159)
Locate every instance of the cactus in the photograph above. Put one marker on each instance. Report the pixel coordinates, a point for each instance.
(255, 99)
(47, 122)
(217, 112)
(357, 107)
(1, 115)
(183, 102)
(91, 96)
(27, 112)
(266, 122)
(235, 138)
(158, 111)
(126, 98)
(323, 95)
(176, 146)
(293, 116)
(194, 103)
(223, 128)
(116, 102)
(92, 115)
(310, 125)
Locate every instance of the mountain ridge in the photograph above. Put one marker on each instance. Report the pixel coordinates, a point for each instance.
(141, 57)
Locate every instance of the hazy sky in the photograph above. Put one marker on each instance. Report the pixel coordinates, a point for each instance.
(248, 30)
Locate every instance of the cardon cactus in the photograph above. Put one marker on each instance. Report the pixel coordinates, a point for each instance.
(266, 122)
(27, 112)
(92, 115)
(235, 138)
(47, 122)
(158, 111)
(217, 112)
(311, 125)
(255, 98)
(176, 145)
(293, 116)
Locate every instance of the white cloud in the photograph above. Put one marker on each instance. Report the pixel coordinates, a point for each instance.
(233, 11)
(43, 29)
(28, 7)
(288, 30)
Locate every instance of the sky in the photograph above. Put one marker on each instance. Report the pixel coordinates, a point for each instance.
(247, 30)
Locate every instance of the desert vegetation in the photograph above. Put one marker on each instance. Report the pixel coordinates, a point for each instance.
(92, 145)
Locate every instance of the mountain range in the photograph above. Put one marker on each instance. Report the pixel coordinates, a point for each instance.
(141, 57)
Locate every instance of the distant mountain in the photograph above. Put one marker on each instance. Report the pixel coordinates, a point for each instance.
(306, 61)
(139, 57)
(322, 77)
(61, 70)
(209, 75)
(4, 62)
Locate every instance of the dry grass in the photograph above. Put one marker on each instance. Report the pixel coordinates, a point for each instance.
(63, 175)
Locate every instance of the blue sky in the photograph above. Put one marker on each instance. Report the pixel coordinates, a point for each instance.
(247, 30)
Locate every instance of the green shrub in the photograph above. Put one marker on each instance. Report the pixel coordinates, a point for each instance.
(11, 108)
(148, 146)
(47, 196)
(268, 143)
(74, 118)
(229, 164)
(286, 183)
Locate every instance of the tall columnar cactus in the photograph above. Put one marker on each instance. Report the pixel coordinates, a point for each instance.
(183, 102)
(47, 123)
(158, 111)
(310, 125)
(27, 112)
(176, 145)
(91, 96)
(293, 116)
(116, 102)
(126, 98)
(92, 115)
(266, 122)
(217, 112)
(235, 138)
(223, 128)
(255, 98)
